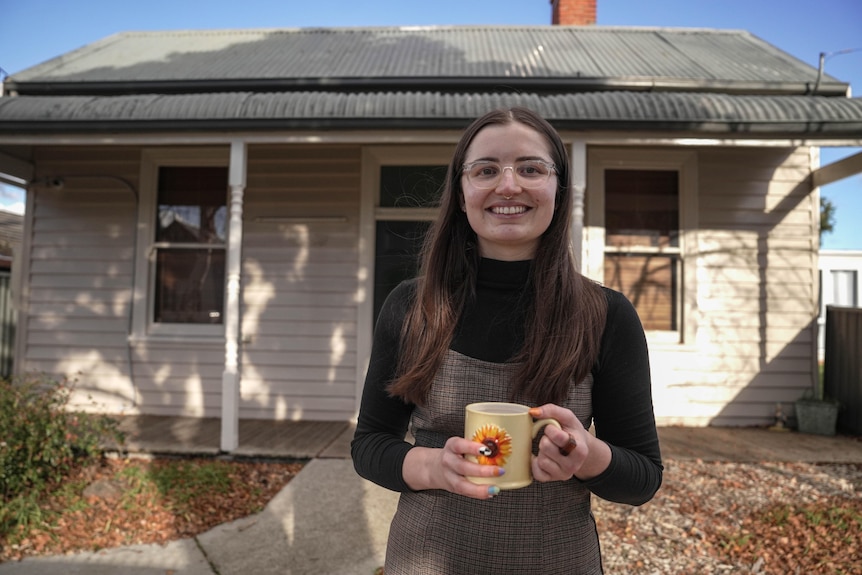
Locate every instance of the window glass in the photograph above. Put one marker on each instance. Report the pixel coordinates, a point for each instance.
(190, 239)
(650, 282)
(189, 286)
(192, 205)
(642, 208)
(411, 186)
(398, 247)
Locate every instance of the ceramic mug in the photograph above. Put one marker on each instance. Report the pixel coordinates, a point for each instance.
(507, 431)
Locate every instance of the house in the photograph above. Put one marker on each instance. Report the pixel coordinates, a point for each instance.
(214, 217)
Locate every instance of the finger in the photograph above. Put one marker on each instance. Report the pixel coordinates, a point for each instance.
(564, 416)
(482, 491)
(564, 441)
(544, 469)
(463, 458)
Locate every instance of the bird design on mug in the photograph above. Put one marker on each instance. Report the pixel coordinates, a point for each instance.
(497, 445)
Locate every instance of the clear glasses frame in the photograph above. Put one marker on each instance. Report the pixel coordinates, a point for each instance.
(529, 174)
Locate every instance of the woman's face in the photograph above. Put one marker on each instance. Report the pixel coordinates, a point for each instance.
(509, 219)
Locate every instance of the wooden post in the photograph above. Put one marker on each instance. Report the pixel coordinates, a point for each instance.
(578, 175)
(233, 269)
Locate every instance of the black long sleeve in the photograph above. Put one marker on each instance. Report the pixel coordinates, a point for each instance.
(623, 410)
(378, 447)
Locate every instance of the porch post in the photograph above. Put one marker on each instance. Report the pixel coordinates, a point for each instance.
(578, 174)
(230, 377)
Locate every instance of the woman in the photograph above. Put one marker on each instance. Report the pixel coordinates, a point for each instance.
(498, 313)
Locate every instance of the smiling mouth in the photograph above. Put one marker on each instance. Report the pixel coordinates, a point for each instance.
(508, 210)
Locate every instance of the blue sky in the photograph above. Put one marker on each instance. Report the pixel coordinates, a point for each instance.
(32, 31)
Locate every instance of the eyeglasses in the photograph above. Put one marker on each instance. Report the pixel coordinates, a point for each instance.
(486, 175)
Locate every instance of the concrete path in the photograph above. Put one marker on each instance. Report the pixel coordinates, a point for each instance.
(327, 520)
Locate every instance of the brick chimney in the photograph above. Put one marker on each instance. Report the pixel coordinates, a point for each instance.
(573, 12)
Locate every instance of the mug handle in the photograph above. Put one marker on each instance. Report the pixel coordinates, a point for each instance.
(540, 423)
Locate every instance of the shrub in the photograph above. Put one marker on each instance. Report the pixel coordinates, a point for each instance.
(41, 442)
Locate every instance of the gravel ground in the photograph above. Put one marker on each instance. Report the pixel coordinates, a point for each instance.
(739, 518)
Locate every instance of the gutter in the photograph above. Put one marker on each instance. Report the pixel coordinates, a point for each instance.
(547, 85)
(758, 129)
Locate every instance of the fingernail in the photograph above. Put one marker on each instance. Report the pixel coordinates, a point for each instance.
(486, 451)
(501, 471)
(493, 490)
(535, 412)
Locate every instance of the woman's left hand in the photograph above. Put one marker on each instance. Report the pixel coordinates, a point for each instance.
(567, 452)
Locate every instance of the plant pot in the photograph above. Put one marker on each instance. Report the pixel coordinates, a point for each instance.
(817, 417)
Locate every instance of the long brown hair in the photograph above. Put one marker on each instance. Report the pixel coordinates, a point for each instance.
(566, 319)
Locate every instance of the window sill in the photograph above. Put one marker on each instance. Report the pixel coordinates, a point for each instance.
(173, 339)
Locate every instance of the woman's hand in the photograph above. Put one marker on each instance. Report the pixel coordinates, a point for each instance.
(568, 452)
(447, 468)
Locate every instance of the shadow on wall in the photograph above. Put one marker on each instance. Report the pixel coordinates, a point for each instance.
(765, 353)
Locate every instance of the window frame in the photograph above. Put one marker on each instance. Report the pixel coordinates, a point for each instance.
(685, 164)
(143, 326)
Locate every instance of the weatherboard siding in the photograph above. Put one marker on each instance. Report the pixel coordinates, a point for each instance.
(300, 283)
(300, 289)
(79, 274)
(756, 293)
(755, 290)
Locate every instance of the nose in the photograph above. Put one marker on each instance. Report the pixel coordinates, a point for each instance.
(508, 183)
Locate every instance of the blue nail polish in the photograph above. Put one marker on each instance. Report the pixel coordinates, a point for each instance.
(493, 490)
(501, 471)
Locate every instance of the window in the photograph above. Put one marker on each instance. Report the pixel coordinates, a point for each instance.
(844, 288)
(640, 220)
(190, 245)
(182, 237)
(642, 242)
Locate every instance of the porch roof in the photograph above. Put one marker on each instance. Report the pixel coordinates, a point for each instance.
(704, 113)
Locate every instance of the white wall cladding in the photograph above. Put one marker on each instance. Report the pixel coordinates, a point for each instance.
(756, 293)
(300, 282)
(80, 273)
(300, 289)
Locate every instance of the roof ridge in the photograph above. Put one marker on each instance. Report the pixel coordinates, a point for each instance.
(430, 28)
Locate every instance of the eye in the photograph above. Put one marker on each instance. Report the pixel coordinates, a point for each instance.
(484, 171)
(532, 169)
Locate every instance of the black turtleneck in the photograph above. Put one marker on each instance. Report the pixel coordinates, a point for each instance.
(491, 328)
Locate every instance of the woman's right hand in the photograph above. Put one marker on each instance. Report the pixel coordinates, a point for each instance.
(447, 468)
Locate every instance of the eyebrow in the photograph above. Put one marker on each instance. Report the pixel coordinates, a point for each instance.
(519, 159)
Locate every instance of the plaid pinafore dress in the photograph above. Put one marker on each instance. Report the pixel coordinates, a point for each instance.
(542, 529)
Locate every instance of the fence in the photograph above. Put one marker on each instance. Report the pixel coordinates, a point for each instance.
(843, 365)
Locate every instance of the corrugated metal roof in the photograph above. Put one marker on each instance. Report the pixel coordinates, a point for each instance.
(700, 112)
(693, 80)
(714, 57)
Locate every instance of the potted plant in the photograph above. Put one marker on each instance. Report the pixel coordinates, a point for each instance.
(816, 414)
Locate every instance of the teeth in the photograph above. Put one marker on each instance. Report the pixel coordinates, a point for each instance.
(509, 210)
